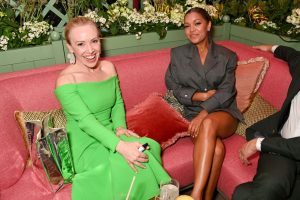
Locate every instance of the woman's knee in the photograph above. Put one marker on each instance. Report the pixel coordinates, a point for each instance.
(208, 127)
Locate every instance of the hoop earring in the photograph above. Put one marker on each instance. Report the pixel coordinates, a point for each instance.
(71, 57)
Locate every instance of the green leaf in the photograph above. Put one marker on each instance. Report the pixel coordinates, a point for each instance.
(114, 29)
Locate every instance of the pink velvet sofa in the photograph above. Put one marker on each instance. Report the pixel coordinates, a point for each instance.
(140, 74)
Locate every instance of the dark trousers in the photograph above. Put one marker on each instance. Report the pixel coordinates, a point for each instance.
(277, 178)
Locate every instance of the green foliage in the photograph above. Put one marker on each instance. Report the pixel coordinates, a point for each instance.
(79, 7)
(255, 12)
(156, 16)
(20, 25)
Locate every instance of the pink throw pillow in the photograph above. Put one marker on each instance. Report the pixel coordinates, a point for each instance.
(156, 119)
(249, 76)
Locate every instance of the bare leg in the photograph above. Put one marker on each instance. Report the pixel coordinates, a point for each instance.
(215, 125)
(215, 170)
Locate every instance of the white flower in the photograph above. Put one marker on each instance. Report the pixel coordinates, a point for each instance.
(239, 20)
(177, 15)
(268, 24)
(3, 42)
(138, 35)
(34, 30)
(2, 14)
(294, 18)
(211, 10)
(118, 9)
(95, 17)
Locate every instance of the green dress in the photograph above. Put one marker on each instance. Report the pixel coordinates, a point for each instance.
(94, 110)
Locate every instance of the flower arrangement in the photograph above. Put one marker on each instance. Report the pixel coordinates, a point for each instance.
(3, 42)
(22, 24)
(265, 15)
(23, 30)
(34, 32)
(294, 19)
(157, 16)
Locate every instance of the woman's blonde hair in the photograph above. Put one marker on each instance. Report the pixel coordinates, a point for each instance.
(78, 21)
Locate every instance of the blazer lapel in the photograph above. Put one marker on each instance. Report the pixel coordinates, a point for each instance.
(211, 58)
(210, 62)
(195, 62)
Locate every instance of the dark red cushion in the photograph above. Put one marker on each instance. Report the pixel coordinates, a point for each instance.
(154, 118)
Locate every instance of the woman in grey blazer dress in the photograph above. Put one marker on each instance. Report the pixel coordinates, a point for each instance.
(202, 77)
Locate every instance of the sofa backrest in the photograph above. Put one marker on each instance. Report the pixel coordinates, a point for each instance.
(139, 74)
(142, 75)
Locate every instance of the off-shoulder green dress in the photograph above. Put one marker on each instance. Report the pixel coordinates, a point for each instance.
(94, 110)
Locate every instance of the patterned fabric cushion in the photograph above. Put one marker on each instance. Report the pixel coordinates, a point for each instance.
(173, 102)
(258, 110)
(30, 123)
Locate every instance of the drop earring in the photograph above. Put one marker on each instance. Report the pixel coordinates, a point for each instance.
(71, 58)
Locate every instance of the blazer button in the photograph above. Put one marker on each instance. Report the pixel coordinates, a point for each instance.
(185, 95)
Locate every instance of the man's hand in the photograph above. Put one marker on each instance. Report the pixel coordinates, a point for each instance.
(264, 47)
(247, 150)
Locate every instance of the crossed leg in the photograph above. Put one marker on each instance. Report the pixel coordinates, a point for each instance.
(209, 152)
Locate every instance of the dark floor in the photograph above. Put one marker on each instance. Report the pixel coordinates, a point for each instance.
(218, 195)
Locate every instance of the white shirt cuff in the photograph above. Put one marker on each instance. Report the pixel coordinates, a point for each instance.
(258, 143)
(274, 47)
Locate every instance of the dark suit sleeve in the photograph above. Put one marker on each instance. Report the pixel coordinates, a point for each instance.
(226, 89)
(183, 94)
(286, 147)
(291, 56)
(263, 128)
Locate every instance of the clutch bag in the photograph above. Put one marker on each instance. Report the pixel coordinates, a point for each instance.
(54, 151)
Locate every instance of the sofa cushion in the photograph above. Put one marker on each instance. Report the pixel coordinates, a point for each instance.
(155, 119)
(33, 185)
(258, 110)
(233, 172)
(172, 101)
(178, 161)
(249, 76)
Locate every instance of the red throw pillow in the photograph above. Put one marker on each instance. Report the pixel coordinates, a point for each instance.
(249, 76)
(156, 119)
